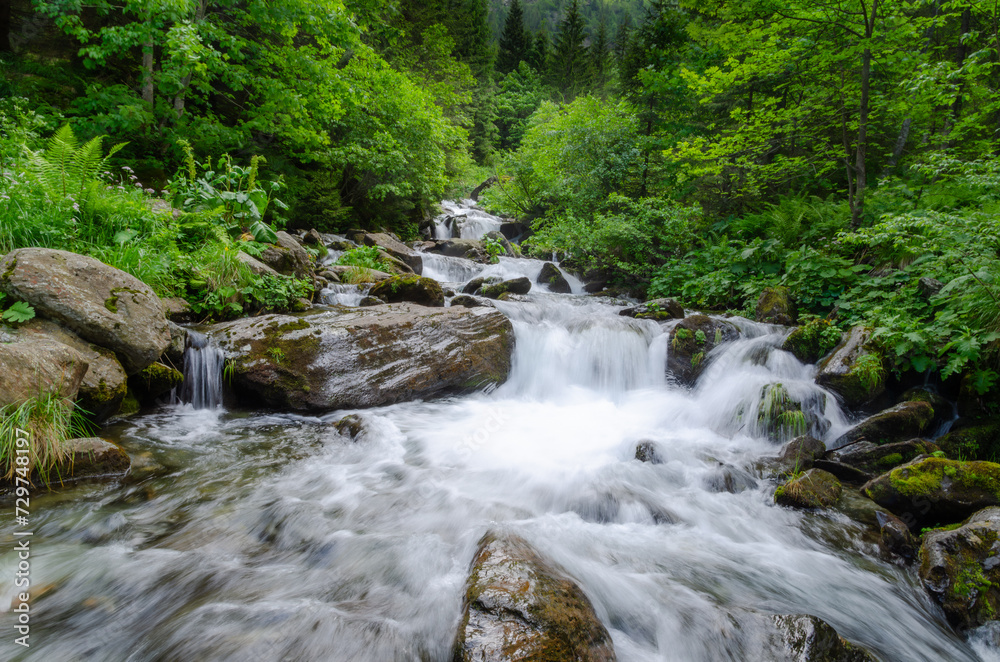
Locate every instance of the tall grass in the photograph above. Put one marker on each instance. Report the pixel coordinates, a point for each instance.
(50, 421)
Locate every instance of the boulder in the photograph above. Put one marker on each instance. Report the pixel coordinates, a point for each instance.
(313, 238)
(155, 381)
(895, 538)
(782, 417)
(365, 357)
(424, 291)
(256, 267)
(34, 363)
(178, 310)
(554, 279)
(104, 384)
(656, 309)
(800, 453)
(469, 301)
(803, 638)
(174, 353)
(288, 257)
(691, 341)
(813, 489)
(351, 426)
(520, 285)
(928, 287)
(813, 340)
(972, 439)
(370, 301)
(471, 249)
(960, 569)
(95, 458)
(774, 306)
(904, 421)
(394, 266)
(476, 284)
(348, 274)
(101, 304)
(519, 607)
(861, 461)
(396, 249)
(931, 490)
(648, 451)
(944, 409)
(854, 371)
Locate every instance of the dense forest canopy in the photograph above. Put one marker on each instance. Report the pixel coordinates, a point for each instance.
(706, 150)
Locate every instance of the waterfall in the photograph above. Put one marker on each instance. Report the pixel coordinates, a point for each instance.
(203, 365)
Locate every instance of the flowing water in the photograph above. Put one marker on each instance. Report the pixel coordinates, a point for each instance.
(253, 536)
(463, 219)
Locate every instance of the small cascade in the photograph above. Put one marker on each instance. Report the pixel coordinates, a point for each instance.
(464, 220)
(343, 295)
(203, 365)
(446, 269)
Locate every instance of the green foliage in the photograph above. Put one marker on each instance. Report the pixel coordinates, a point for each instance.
(18, 312)
(494, 249)
(366, 257)
(47, 421)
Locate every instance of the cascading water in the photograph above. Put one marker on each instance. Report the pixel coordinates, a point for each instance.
(203, 366)
(272, 537)
(469, 221)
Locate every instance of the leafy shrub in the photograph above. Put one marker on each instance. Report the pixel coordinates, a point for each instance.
(367, 257)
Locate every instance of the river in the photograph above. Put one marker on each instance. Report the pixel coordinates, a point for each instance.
(262, 536)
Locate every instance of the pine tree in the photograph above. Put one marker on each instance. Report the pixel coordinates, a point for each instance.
(600, 61)
(541, 51)
(515, 42)
(569, 69)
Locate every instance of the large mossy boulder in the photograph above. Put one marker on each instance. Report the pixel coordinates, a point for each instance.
(861, 461)
(470, 249)
(906, 420)
(655, 309)
(854, 370)
(101, 304)
(972, 439)
(519, 607)
(551, 277)
(396, 249)
(960, 568)
(155, 381)
(288, 257)
(416, 289)
(774, 306)
(104, 384)
(365, 357)
(813, 340)
(92, 457)
(691, 341)
(520, 285)
(813, 489)
(800, 453)
(931, 490)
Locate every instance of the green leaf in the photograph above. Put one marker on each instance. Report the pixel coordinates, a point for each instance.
(19, 312)
(263, 233)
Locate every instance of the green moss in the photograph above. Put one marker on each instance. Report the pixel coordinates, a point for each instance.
(920, 480)
(129, 406)
(297, 325)
(111, 303)
(10, 271)
(812, 340)
(890, 460)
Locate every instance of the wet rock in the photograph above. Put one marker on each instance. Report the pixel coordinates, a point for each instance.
(174, 353)
(813, 489)
(904, 421)
(370, 301)
(774, 306)
(313, 238)
(895, 538)
(514, 230)
(287, 256)
(854, 371)
(802, 638)
(101, 304)
(727, 478)
(520, 285)
(646, 451)
(95, 458)
(861, 461)
(813, 340)
(861, 509)
(394, 266)
(417, 289)
(944, 410)
(364, 357)
(348, 274)
(960, 569)
(519, 607)
(33, 363)
(929, 286)
(782, 417)
(656, 309)
(691, 341)
(476, 284)
(351, 426)
(468, 301)
(470, 249)
(551, 276)
(800, 453)
(178, 310)
(155, 381)
(930, 490)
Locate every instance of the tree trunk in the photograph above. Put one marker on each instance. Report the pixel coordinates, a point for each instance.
(897, 151)
(5, 26)
(147, 72)
(861, 153)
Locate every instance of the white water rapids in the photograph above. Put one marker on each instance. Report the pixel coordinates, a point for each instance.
(251, 536)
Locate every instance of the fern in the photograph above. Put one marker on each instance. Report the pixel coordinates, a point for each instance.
(65, 167)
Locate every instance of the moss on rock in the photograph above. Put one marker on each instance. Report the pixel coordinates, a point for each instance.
(813, 489)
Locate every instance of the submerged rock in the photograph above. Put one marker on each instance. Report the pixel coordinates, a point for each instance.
(802, 638)
(519, 607)
(101, 304)
(656, 309)
(774, 306)
(424, 291)
(365, 357)
(813, 489)
(854, 371)
(647, 451)
(904, 421)
(960, 569)
(930, 490)
(551, 276)
(691, 340)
